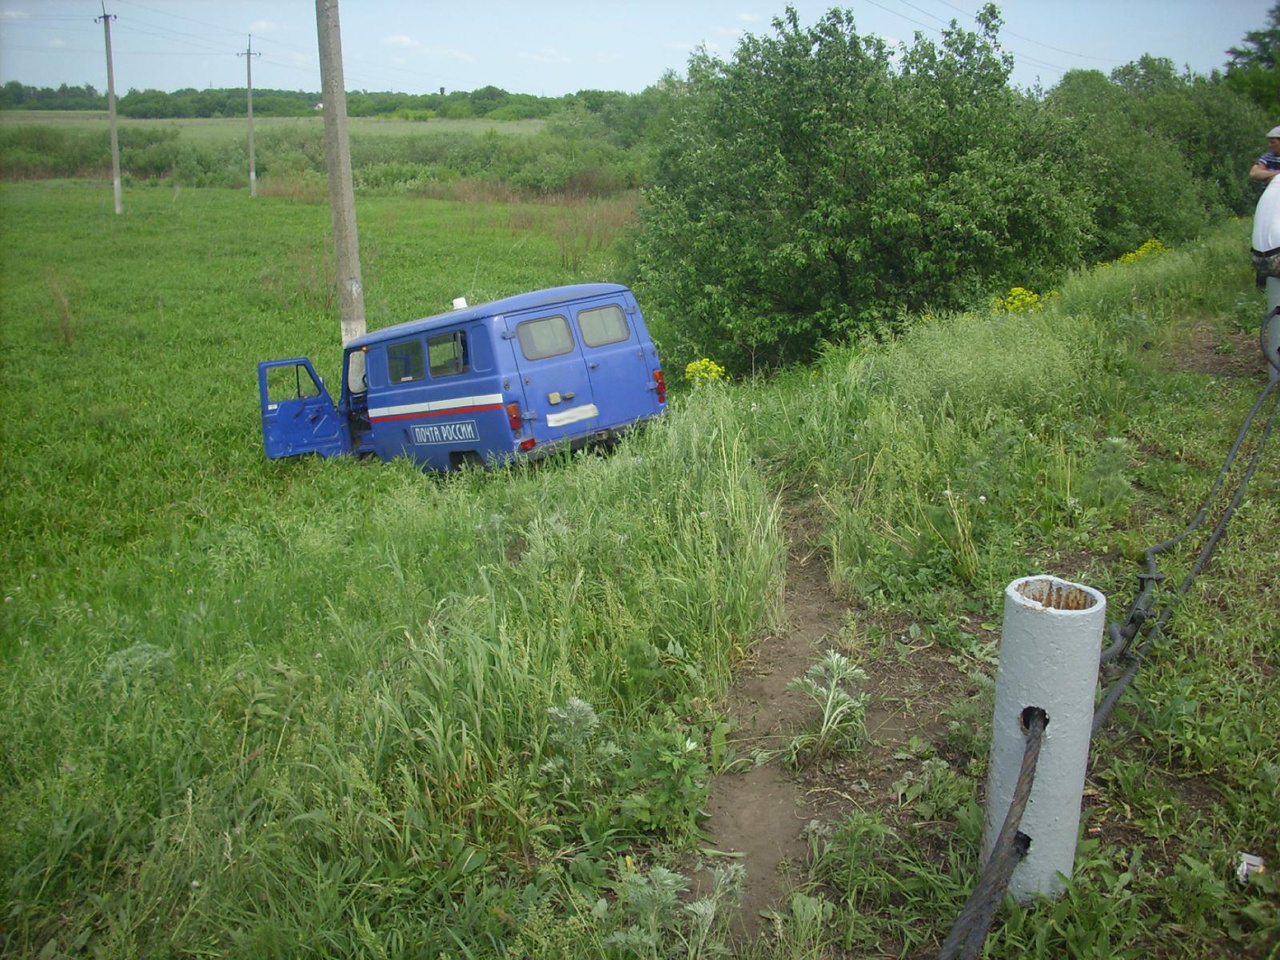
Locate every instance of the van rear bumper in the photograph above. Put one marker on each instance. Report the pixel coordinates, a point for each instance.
(594, 438)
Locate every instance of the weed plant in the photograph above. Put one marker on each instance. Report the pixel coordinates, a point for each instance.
(842, 715)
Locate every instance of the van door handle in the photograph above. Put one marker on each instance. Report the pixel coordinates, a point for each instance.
(592, 365)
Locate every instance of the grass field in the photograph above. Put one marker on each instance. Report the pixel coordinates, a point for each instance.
(199, 130)
(340, 709)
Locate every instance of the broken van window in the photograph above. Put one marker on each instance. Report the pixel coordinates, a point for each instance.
(447, 353)
(290, 383)
(405, 362)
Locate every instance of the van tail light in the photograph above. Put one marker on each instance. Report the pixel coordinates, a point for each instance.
(528, 444)
(661, 384)
(513, 417)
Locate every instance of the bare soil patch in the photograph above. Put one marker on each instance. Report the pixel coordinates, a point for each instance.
(1215, 348)
(759, 816)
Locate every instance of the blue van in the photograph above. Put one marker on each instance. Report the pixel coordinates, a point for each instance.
(515, 378)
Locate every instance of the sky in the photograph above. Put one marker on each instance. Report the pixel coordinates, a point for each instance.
(553, 47)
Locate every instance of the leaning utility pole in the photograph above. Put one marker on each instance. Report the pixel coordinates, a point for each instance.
(105, 20)
(342, 201)
(248, 79)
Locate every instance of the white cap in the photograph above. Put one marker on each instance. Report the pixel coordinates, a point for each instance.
(1273, 132)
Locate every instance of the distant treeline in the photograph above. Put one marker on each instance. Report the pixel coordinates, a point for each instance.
(490, 103)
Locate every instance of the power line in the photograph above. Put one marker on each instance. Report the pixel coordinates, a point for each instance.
(1022, 56)
(17, 21)
(1038, 43)
(382, 72)
(197, 42)
(123, 53)
(178, 16)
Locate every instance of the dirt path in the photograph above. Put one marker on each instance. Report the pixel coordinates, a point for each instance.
(760, 815)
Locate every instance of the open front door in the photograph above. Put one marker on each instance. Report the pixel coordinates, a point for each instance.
(297, 415)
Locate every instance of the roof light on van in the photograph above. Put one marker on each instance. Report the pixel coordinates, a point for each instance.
(459, 303)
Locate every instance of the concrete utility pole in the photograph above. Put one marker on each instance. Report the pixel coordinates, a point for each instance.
(248, 79)
(337, 148)
(105, 20)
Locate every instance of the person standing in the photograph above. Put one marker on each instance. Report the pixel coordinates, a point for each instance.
(1268, 165)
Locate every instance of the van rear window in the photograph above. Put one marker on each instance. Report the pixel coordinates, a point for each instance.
(448, 354)
(548, 337)
(603, 325)
(404, 362)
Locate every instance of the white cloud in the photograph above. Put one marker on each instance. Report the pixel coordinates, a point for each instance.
(57, 43)
(265, 26)
(402, 41)
(545, 55)
(750, 17)
(14, 15)
(728, 31)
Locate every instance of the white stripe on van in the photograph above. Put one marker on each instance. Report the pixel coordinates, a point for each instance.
(572, 415)
(435, 406)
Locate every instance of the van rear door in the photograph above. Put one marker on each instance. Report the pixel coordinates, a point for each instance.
(297, 414)
(556, 386)
(621, 378)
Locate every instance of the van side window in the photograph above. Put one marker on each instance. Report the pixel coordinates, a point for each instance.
(447, 353)
(603, 325)
(404, 362)
(548, 337)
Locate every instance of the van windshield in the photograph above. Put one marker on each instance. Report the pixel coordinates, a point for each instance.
(357, 374)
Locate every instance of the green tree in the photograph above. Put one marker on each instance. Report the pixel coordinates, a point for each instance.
(808, 189)
(1252, 69)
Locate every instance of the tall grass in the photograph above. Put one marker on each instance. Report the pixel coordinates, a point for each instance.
(930, 449)
(520, 158)
(257, 708)
(262, 709)
(977, 448)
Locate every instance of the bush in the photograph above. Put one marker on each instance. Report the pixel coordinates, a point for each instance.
(807, 190)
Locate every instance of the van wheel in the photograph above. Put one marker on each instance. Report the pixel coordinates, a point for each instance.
(464, 458)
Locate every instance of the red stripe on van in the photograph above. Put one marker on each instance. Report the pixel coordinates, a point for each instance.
(436, 413)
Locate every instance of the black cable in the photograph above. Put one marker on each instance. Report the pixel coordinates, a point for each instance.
(1140, 609)
(970, 929)
(1103, 712)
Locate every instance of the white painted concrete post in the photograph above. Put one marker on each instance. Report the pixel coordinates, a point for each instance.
(1052, 638)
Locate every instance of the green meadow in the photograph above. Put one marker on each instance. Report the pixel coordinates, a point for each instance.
(200, 130)
(305, 708)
